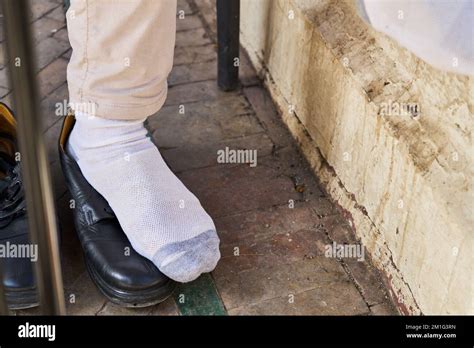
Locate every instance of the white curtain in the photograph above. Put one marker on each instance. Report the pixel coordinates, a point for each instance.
(438, 31)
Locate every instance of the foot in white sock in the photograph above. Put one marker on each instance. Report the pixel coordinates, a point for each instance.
(162, 219)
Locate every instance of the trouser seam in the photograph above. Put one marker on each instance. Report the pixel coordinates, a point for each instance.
(86, 58)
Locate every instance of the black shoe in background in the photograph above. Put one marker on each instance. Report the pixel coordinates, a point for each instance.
(16, 253)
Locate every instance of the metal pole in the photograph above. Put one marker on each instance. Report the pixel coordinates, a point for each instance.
(34, 163)
(228, 31)
(3, 300)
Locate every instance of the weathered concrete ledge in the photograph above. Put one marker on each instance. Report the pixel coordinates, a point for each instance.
(388, 136)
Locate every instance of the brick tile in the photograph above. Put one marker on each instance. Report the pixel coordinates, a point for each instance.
(195, 37)
(193, 72)
(205, 154)
(383, 309)
(289, 162)
(40, 8)
(113, 309)
(61, 35)
(268, 115)
(194, 54)
(240, 125)
(188, 22)
(207, 8)
(49, 106)
(322, 206)
(183, 5)
(72, 263)
(339, 230)
(193, 92)
(255, 226)
(369, 281)
(3, 55)
(336, 298)
(44, 28)
(67, 55)
(4, 92)
(58, 14)
(165, 308)
(52, 76)
(72, 259)
(28, 311)
(2, 35)
(8, 99)
(240, 289)
(83, 298)
(48, 50)
(228, 189)
(207, 121)
(247, 74)
(4, 82)
(51, 141)
(275, 236)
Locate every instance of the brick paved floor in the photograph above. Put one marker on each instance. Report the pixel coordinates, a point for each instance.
(273, 251)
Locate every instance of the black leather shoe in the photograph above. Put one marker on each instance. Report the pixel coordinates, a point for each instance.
(123, 276)
(18, 276)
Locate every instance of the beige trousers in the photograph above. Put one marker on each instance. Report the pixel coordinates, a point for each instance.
(122, 55)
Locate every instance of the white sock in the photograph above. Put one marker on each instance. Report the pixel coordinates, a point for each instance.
(162, 219)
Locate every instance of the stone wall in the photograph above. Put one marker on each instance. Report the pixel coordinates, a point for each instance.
(388, 136)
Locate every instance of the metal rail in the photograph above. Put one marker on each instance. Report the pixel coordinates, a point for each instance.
(3, 302)
(228, 39)
(34, 163)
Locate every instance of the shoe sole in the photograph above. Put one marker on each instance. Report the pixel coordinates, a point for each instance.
(136, 299)
(22, 299)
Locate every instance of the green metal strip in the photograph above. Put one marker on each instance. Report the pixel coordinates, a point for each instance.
(199, 298)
